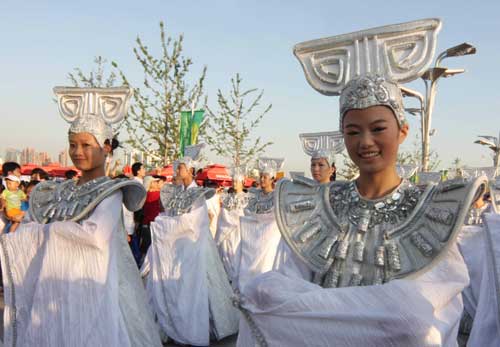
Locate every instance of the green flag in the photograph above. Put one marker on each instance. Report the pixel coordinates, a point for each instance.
(190, 127)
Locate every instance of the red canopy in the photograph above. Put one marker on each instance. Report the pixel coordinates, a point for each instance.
(167, 171)
(217, 173)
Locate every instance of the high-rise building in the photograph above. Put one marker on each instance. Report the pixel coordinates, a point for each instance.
(28, 155)
(63, 158)
(12, 154)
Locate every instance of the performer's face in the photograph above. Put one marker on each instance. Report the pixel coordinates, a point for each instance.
(321, 170)
(85, 153)
(372, 137)
(183, 171)
(266, 181)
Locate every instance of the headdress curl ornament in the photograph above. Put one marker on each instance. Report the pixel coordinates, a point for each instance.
(93, 110)
(191, 155)
(366, 66)
(270, 166)
(322, 144)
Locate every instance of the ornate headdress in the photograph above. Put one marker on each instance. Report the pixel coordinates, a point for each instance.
(322, 145)
(191, 156)
(238, 174)
(93, 110)
(365, 67)
(270, 166)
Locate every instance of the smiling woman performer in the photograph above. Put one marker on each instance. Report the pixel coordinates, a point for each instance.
(382, 253)
(69, 276)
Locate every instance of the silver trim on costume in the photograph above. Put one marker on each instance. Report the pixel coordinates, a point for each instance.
(350, 240)
(177, 201)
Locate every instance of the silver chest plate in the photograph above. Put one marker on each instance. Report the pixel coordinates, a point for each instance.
(350, 241)
(177, 201)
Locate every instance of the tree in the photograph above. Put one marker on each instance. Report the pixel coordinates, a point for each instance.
(230, 129)
(414, 156)
(96, 78)
(349, 170)
(153, 123)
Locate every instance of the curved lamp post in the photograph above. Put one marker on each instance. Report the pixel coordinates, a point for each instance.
(430, 77)
(494, 144)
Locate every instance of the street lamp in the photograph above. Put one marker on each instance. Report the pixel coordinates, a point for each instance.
(430, 77)
(494, 144)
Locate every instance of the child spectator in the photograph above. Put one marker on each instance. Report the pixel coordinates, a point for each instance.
(39, 174)
(13, 197)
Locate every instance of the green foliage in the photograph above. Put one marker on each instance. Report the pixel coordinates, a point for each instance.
(349, 170)
(230, 129)
(95, 78)
(153, 123)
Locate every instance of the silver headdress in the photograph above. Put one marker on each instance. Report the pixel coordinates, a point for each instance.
(191, 155)
(93, 110)
(238, 174)
(365, 67)
(322, 145)
(270, 166)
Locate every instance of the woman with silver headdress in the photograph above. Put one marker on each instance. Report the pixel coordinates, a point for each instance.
(382, 253)
(228, 235)
(69, 276)
(260, 236)
(322, 147)
(186, 281)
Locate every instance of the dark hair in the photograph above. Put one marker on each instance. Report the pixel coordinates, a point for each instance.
(32, 183)
(9, 167)
(114, 143)
(70, 174)
(160, 177)
(120, 176)
(333, 176)
(135, 168)
(210, 184)
(41, 173)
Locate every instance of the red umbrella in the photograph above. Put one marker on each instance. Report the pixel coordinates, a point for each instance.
(217, 173)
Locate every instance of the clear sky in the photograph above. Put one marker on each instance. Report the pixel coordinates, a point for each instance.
(41, 41)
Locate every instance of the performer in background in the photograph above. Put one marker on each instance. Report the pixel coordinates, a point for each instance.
(69, 276)
(228, 235)
(382, 253)
(259, 232)
(189, 289)
(322, 147)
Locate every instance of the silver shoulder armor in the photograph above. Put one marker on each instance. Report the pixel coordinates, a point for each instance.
(259, 203)
(351, 241)
(65, 201)
(234, 201)
(177, 201)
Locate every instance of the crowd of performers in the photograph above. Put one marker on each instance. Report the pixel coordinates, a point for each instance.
(377, 261)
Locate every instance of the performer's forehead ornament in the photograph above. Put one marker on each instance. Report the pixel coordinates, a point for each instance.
(366, 67)
(322, 145)
(270, 166)
(191, 155)
(93, 110)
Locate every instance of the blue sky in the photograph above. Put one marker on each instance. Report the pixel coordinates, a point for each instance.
(42, 41)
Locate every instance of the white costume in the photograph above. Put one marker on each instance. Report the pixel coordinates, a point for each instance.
(69, 276)
(228, 235)
(188, 286)
(390, 268)
(260, 236)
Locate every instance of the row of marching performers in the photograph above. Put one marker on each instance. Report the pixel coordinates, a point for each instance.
(377, 261)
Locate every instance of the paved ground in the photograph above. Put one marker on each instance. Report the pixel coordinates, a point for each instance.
(227, 342)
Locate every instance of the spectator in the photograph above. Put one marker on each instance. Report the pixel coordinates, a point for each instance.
(139, 172)
(333, 176)
(71, 175)
(150, 210)
(11, 168)
(13, 197)
(39, 174)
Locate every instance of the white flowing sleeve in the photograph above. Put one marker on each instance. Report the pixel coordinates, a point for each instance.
(58, 279)
(480, 248)
(424, 311)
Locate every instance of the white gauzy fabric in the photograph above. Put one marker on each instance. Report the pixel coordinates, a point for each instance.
(228, 239)
(213, 205)
(480, 247)
(71, 284)
(424, 311)
(187, 282)
(260, 238)
(288, 264)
